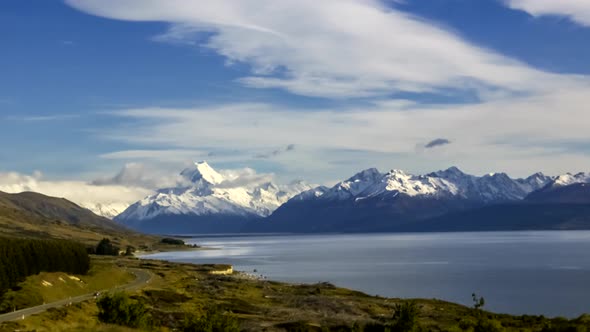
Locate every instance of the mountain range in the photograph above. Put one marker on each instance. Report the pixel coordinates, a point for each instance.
(445, 200)
(366, 202)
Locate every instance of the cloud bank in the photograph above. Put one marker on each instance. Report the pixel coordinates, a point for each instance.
(80, 192)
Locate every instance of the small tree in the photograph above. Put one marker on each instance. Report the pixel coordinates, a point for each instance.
(482, 322)
(478, 302)
(405, 317)
(106, 248)
(129, 251)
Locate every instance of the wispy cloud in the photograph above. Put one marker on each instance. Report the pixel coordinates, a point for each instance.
(338, 50)
(437, 142)
(171, 155)
(40, 118)
(377, 130)
(577, 10)
(277, 152)
(246, 177)
(138, 175)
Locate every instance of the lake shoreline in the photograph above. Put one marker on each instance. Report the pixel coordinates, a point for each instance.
(447, 266)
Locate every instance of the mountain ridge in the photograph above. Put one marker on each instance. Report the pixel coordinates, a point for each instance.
(205, 200)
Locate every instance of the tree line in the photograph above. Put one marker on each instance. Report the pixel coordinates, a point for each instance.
(20, 258)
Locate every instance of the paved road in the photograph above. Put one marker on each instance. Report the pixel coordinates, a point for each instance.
(142, 277)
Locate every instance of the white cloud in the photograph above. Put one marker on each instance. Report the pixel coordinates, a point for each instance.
(331, 48)
(482, 133)
(170, 156)
(79, 192)
(40, 118)
(357, 48)
(246, 177)
(577, 10)
(139, 176)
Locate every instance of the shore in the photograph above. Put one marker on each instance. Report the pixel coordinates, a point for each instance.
(178, 289)
(158, 248)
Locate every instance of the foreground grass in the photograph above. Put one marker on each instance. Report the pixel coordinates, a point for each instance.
(180, 290)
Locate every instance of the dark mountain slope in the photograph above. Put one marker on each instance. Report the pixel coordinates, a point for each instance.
(367, 215)
(578, 193)
(505, 217)
(48, 207)
(38, 216)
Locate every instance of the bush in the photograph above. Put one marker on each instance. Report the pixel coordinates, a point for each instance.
(405, 317)
(121, 310)
(212, 321)
(15, 300)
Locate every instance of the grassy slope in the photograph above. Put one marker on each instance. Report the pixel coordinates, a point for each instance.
(49, 287)
(38, 216)
(179, 289)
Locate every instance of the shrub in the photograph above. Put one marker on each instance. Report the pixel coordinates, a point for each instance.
(212, 321)
(121, 310)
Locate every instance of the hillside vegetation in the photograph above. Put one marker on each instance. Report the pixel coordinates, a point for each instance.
(186, 297)
(47, 287)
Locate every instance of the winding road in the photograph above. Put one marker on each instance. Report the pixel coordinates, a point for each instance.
(142, 277)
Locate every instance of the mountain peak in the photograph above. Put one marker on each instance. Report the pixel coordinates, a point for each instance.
(366, 175)
(452, 172)
(202, 171)
(536, 175)
(397, 172)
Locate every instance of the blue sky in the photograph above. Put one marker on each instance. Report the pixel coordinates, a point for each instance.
(88, 86)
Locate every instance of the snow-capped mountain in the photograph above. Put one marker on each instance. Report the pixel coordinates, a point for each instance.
(206, 193)
(568, 179)
(205, 200)
(452, 182)
(107, 210)
(372, 200)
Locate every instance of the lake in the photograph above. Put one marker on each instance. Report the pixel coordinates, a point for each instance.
(516, 272)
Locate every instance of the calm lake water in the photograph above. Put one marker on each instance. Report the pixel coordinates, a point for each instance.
(517, 272)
